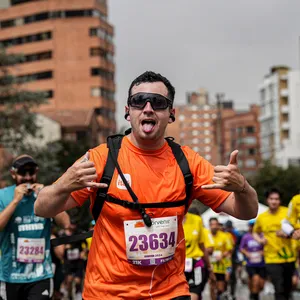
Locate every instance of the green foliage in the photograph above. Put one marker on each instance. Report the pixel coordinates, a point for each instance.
(286, 180)
(17, 119)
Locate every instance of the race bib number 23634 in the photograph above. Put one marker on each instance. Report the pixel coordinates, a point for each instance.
(153, 245)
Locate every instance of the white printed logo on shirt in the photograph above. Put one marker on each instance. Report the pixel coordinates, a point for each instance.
(120, 183)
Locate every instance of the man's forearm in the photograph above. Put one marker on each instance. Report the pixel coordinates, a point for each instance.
(6, 214)
(63, 220)
(51, 201)
(246, 203)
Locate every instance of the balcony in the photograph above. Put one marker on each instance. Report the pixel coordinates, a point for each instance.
(285, 125)
(284, 109)
(284, 93)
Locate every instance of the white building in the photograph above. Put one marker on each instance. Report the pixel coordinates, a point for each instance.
(280, 113)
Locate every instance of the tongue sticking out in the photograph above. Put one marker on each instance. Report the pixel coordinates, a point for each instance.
(148, 127)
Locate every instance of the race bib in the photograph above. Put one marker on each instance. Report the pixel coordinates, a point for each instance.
(255, 257)
(216, 256)
(30, 250)
(188, 265)
(73, 254)
(151, 246)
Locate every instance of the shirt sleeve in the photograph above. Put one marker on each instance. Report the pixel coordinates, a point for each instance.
(209, 241)
(229, 244)
(2, 206)
(203, 172)
(243, 243)
(201, 231)
(292, 214)
(257, 226)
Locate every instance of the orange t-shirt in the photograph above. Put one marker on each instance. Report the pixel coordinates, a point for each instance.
(154, 176)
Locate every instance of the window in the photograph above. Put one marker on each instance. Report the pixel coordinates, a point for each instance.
(207, 140)
(102, 53)
(15, 2)
(53, 15)
(294, 162)
(181, 118)
(95, 92)
(250, 129)
(207, 148)
(99, 32)
(250, 163)
(37, 56)
(206, 132)
(194, 116)
(208, 157)
(78, 13)
(206, 116)
(102, 73)
(36, 18)
(196, 149)
(195, 132)
(35, 76)
(7, 23)
(26, 39)
(239, 130)
(107, 94)
(206, 124)
(249, 140)
(252, 151)
(195, 141)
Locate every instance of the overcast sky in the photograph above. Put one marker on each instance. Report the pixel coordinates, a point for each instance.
(221, 45)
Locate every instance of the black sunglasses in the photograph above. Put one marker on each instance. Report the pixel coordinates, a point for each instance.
(23, 172)
(157, 101)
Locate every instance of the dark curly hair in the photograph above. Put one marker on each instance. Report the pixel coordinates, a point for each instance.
(150, 76)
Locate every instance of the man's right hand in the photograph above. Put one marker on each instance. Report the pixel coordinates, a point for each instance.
(81, 174)
(20, 191)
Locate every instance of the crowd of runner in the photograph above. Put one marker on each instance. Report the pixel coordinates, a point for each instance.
(269, 251)
(144, 244)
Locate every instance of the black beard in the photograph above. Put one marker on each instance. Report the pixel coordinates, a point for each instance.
(25, 181)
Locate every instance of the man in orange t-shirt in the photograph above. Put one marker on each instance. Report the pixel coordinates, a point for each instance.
(127, 259)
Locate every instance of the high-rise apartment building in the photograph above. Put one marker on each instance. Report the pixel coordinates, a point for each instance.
(215, 130)
(241, 131)
(196, 125)
(280, 110)
(68, 53)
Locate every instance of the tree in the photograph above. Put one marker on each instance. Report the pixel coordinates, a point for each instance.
(286, 180)
(17, 118)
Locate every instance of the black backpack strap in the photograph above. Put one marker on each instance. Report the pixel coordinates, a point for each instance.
(185, 169)
(137, 205)
(71, 239)
(106, 176)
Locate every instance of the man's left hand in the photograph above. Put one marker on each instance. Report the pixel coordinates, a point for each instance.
(281, 234)
(228, 177)
(296, 234)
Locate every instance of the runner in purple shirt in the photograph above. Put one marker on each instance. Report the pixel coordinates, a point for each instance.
(253, 252)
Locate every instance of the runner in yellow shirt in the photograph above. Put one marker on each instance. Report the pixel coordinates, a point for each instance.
(222, 251)
(228, 260)
(278, 250)
(197, 267)
(293, 216)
